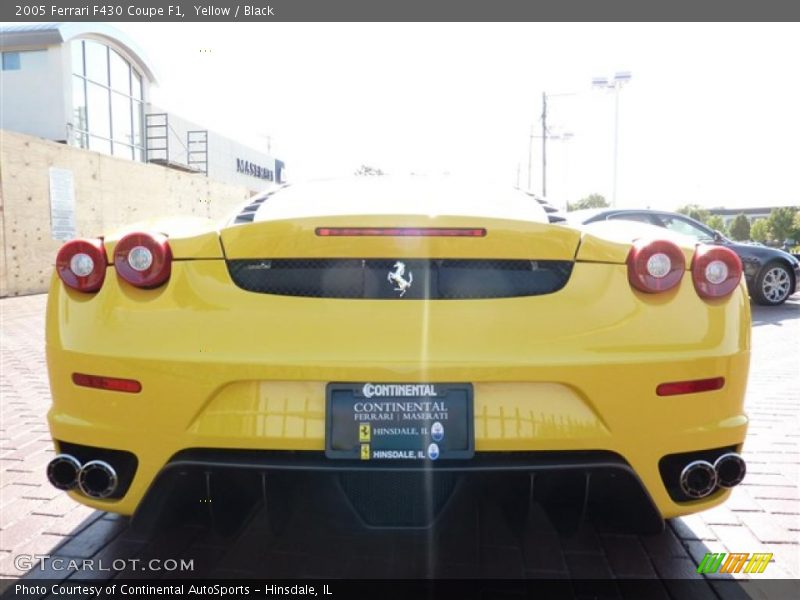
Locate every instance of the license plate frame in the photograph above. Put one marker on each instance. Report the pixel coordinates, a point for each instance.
(408, 436)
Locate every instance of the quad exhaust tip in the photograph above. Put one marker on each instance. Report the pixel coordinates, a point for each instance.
(62, 472)
(730, 469)
(97, 479)
(700, 478)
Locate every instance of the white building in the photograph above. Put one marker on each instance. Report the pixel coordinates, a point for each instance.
(88, 84)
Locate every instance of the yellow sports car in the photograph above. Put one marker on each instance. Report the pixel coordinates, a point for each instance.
(401, 337)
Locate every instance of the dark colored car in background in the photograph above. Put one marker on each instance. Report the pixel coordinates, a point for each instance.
(772, 275)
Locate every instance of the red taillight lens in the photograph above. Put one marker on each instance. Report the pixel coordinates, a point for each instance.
(716, 271)
(143, 259)
(401, 231)
(81, 264)
(655, 265)
(113, 384)
(676, 388)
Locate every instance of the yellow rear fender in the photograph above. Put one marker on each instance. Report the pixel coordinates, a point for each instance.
(189, 237)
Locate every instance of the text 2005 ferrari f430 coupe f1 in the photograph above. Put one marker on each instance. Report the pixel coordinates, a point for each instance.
(403, 339)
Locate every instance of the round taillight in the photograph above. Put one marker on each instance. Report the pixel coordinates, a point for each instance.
(143, 259)
(81, 264)
(716, 271)
(655, 265)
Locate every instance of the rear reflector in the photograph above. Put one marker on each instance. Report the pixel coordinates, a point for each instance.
(676, 388)
(401, 231)
(107, 383)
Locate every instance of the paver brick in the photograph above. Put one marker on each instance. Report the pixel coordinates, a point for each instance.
(692, 527)
(75, 520)
(665, 545)
(767, 528)
(627, 556)
(15, 536)
(720, 515)
(782, 507)
(94, 537)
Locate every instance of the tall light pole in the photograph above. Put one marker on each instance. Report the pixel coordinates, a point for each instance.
(620, 78)
(544, 137)
(530, 157)
(544, 145)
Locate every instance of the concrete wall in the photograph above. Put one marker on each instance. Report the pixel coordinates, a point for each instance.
(109, 192)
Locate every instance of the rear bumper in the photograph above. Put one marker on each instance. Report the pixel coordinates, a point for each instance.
(225, 369)
(389, 494)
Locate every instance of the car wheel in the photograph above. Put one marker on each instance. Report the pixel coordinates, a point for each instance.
(773, 285)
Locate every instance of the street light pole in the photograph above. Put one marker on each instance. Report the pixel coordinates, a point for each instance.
(530, 157)
(616, 144)
(545, 135)
(544, 145)
(620, 79)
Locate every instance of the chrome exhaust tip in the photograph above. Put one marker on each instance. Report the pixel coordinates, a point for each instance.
(730, 469)
(62, 472)
(97, 479)
(698, 479)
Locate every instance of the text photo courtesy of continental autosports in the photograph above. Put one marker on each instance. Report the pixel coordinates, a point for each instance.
(398, 301)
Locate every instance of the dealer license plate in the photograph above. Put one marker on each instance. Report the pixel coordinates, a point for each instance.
(399, 421)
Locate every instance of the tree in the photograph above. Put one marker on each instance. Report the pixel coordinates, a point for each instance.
(740, 228)
(695, 211)
(717, 223)
(796, 227)
(759, 231)
(590, 201)
(367, 171)
(780, 223)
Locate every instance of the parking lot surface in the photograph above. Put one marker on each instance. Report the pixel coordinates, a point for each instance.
(323, 541)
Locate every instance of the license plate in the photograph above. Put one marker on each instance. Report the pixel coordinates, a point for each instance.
(399, 421)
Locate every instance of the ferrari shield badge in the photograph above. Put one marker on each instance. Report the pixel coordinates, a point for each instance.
(397, 277)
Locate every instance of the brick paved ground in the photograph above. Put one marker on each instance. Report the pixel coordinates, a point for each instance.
(762, 515)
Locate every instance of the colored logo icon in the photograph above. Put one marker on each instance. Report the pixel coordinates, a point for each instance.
(437, 432)
(734, 563)
(364, 433)
(433, 451)
(364, 451)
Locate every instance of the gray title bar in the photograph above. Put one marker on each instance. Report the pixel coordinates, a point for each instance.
(399, 10)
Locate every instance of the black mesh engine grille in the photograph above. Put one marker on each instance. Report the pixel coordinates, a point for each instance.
(440, 279)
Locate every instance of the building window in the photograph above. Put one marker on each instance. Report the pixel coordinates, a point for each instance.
(79, 104)
(96, 59)
(78, 68)
(98, 110)
(11, 61)
(107, 101)
(121, 129)
(24, 60)
(120, 74)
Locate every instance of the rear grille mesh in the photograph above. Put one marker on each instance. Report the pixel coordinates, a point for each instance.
(436, 279)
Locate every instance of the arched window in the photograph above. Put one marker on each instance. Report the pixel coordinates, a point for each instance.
(106, 101)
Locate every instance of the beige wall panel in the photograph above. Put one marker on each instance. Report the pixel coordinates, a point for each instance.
(109, 193)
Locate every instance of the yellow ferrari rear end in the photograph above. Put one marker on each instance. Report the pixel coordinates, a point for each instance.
(326, 328)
